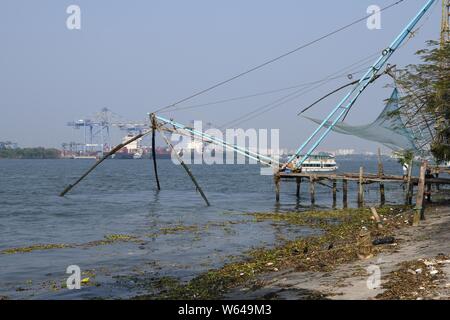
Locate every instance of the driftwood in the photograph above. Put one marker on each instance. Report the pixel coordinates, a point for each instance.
(376, 217)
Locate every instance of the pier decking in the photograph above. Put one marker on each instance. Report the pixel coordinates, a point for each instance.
(426, 179)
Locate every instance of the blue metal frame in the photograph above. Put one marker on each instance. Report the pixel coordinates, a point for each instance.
(353, 95)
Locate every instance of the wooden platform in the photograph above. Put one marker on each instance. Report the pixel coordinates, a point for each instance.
(424, 181)
(367, 177)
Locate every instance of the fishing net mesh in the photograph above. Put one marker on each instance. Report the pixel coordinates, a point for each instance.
(388, 129)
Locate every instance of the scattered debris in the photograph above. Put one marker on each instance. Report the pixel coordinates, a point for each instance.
(414, 280)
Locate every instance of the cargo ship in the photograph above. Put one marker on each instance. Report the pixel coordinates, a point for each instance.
(135, 150)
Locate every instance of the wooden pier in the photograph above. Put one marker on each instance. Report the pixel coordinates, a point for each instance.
(424, 183)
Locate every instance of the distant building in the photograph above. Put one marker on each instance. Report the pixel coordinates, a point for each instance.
(344, 152)
(8, 145)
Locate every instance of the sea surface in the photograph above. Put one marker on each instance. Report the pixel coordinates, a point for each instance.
(151, 234)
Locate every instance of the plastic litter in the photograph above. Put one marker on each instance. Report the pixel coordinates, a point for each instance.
(384, 240)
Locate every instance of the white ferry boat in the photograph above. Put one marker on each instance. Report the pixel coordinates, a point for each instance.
(87, 157)
(322, 162)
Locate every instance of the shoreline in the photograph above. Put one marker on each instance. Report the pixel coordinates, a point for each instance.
(327, 266)
(414, 245)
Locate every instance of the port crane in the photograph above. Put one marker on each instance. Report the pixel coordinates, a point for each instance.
(96, 130)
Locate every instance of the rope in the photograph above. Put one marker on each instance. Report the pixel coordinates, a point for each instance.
(301, 47)
(279, 102)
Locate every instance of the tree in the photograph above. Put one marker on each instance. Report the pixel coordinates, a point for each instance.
(426, 100)
(405, 158)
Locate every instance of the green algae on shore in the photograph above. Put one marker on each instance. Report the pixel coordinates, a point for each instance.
(115, 238)
(179, 228)
(315, 253)
(108, 239)
(34, 248)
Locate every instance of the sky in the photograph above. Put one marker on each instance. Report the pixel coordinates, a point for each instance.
(134, 57)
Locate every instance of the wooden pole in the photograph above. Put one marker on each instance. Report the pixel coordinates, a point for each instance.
(106, 156)
(344, 193)
(297, 193)
(411, 193)
(428, 175)
(408, 198)
(360, 188)
(380, 175)
(277, 181)
(334, 193)
(155, 167)
(312, 190)
(382, 194)
(186, 168)
(437, 184)
(419, 214)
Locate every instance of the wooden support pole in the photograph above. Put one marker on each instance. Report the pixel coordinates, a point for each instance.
(155, 167)
(408, 198)
(298, 181)
(428, 192)
(419, 214)
(106, 156)
(411, 193)
(437, 176)
(427, 176)
(360, 188)
(382, 194)
(334, 193)
(312, 190)
(344, 193)
(380, 175)
(277, 181)
(186, 168)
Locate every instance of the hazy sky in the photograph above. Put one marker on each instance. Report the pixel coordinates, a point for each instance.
(136, 56)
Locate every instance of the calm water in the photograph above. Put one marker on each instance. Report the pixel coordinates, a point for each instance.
(120, 198)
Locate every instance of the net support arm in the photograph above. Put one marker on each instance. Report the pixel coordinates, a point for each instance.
(245, 152)
(349, 100)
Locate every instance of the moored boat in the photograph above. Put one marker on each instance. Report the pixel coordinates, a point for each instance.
(321, 162)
